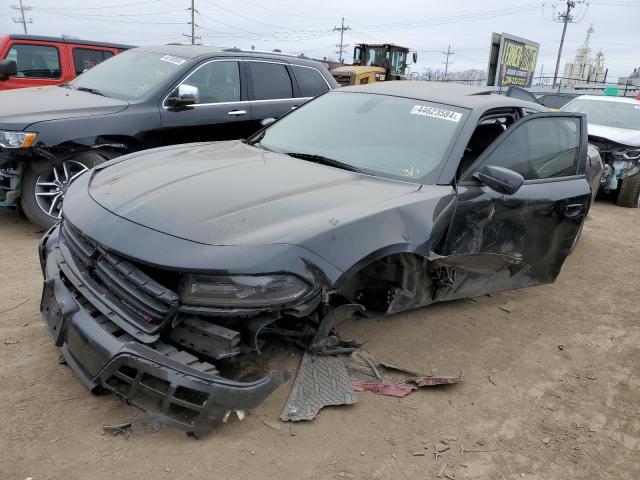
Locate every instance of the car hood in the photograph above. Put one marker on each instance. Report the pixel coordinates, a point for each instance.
(231, 193)
(614, 134)
(23, 107)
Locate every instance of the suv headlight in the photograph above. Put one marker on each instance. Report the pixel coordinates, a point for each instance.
(629, 154)
(242, 290)
(16, 139)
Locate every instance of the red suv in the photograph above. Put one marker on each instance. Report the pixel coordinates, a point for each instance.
(48, 60)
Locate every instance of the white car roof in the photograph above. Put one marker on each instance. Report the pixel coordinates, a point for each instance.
(606, 98)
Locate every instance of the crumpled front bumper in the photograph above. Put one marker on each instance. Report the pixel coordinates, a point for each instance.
(171, 385)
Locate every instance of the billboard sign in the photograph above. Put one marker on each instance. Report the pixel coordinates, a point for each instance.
(512, 60)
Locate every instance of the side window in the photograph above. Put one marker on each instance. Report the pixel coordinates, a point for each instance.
(84, 58)
(36, 61)
(270, 81)
(310, 81)
(540, 148)
(217, 82)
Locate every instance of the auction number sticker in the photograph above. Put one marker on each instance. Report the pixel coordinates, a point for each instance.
(172, 59)
(436, 113)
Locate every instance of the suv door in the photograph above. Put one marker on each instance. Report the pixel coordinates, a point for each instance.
(39, 64)
(270, 89)
(222, 111)
(537, 226)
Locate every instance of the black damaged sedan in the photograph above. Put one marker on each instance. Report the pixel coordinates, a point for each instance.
(170, 264)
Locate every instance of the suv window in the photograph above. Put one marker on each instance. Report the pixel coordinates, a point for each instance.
(270, 81)
(310, 81)
(84, 59)
(540, 148)
(217, 82)
(36, 61)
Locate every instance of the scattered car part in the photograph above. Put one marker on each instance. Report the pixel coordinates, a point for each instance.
(390, 389)
(322, 381)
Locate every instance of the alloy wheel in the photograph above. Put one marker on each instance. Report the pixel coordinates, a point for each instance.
(51, 187)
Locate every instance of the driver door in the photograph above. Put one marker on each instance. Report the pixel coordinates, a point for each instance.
(535, 227)
(222, 111)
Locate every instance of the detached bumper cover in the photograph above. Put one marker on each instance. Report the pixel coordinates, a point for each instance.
(169, 384)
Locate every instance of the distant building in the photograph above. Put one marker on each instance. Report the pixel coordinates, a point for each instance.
(633, 79)
(585, 68)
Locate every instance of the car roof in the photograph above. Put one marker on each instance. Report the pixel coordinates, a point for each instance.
(608, 98)
(196, 51)
(94, 43)
(440, 92)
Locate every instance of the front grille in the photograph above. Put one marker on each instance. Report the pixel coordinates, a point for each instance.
(144, 298)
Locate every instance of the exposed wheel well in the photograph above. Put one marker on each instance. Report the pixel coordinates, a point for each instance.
(389, 284)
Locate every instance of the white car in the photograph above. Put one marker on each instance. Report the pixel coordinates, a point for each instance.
(614, 127)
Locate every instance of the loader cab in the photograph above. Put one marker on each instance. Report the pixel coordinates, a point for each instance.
(392, 58)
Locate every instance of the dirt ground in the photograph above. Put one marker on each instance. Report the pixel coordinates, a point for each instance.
(551, 389)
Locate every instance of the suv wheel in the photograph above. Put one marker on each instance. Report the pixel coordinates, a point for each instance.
(45, 184)
(629, 195)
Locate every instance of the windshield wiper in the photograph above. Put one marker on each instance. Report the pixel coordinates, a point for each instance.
(91, 90)
(324, 161)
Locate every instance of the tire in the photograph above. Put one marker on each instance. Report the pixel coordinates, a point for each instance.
(45, 183)
(629, 195)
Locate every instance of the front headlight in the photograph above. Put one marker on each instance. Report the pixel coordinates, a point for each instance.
(630, 154)
(16, 139)
(242, 290)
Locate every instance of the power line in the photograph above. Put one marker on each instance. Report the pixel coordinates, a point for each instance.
(22, 18)
(106, 6)
(341, 49)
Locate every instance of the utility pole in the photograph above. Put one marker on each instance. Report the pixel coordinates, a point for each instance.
(448, 53)
(341, 29)
(565, 18)
(22, 18)
(193, 23)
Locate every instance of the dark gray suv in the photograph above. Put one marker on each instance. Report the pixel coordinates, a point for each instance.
(143, 98)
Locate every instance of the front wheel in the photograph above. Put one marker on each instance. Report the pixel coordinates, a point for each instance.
(45, 184)
(629, 195)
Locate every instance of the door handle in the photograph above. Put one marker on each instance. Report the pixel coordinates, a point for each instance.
(236, 113)
(573, 210)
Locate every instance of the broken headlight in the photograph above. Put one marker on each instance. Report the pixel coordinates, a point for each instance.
(629, 154)
(16, 139)
(242, 290)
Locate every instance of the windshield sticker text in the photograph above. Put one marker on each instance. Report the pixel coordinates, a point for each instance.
(436, 113)
(172, 59)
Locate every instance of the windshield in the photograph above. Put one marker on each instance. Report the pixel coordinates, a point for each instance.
(394, 137)
(129, 75)
(607, 113)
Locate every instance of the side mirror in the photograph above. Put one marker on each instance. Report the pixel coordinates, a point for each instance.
(500, 179)
(265, 122)
(415, 57)
(8, 68)
(185, 95)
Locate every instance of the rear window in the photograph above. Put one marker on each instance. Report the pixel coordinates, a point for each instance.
(270, 81)
(310, 81)
(36, 61)
(84, 58)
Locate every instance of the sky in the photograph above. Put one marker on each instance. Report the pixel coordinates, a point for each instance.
(303, 26)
